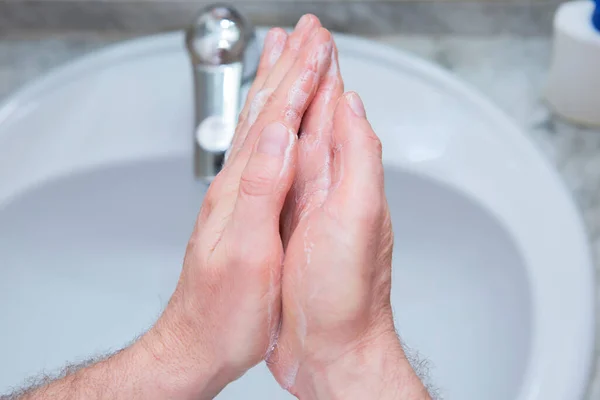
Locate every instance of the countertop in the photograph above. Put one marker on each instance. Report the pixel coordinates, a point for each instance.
(509, 70)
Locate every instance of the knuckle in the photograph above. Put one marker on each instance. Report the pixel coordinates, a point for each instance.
(192, 246)
(258, 179)
(375, 144)
(195, 251)
(241, 120)
(263, 68)
(207, 205)
(205, 211)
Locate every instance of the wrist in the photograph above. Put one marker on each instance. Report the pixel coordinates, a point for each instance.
(373, 368)
(179, 363)
(176, 361)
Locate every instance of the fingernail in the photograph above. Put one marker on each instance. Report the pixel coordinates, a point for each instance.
(303, 21)
(356, 104)
(274, 140)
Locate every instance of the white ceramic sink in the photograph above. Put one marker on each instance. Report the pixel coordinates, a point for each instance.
(492, 274)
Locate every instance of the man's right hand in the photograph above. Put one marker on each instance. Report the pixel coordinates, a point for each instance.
(337, 338)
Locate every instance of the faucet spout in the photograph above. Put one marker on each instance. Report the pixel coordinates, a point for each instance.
(223, 53)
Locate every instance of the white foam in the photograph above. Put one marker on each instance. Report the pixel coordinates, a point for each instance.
(257, 105)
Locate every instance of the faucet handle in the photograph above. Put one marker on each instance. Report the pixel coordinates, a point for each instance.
(224, 55)
(221, 35)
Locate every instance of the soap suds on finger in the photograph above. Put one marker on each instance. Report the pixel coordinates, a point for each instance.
(279, 40)
(299, 94)
(257, 104)
(334, 68)
(318, 57)
(332, 80)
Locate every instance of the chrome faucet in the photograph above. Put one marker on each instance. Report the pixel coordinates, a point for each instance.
(224, 56)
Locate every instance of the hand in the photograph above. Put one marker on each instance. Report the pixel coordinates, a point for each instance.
(337, 337)
(224, 314)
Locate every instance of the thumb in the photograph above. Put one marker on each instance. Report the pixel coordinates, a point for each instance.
(265, 182)
(358, 170)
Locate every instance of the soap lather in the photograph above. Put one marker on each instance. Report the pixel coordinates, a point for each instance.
(224, 55)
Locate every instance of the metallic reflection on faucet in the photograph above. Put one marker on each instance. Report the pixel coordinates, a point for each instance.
(224, 55)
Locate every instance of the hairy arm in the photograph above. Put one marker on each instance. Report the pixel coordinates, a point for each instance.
(91, 379)
(154, 367)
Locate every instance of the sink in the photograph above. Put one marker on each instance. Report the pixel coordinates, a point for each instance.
(492, 284)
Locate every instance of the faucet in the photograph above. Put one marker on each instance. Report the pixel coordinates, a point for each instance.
(224, 56)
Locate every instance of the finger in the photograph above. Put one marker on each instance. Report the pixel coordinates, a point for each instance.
(262, 90)
(287, 106)
(292, 97)
(313, 178)
(272, 50)
(282, 53)
(305, 30)
(357, 164)
(260, 195)
(263, 186)
(254, 224)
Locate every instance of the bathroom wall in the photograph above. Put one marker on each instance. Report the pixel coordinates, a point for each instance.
(370, 17)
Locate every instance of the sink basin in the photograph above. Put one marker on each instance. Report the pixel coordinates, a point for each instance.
(493, 283)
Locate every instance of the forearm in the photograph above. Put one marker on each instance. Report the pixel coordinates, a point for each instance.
(106, 378)
(154, 367)
(378, 370)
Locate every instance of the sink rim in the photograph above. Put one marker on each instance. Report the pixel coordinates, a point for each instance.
(546, 371)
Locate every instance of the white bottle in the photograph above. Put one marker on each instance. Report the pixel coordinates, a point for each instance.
(573, 89)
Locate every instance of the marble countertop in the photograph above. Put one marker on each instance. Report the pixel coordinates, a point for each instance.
(509, 70)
